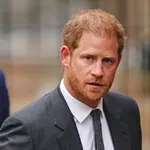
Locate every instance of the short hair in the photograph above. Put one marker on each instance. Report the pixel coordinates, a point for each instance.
(96, 21)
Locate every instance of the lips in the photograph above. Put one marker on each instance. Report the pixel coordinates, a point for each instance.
(95, 84)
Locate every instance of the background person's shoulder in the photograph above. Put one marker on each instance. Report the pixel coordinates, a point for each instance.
(2, 77)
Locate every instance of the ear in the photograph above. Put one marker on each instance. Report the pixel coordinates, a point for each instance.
(65, 55)
(119, 58)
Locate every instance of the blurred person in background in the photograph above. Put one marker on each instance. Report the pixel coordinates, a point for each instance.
(4, 99)
(69, 117)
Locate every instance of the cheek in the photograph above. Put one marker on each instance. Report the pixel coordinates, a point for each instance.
(110, 73)
(80, 68)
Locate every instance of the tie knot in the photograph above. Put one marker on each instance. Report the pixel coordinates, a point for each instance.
(96, 113)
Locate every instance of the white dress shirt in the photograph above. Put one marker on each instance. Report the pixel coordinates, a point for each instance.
(83, 120)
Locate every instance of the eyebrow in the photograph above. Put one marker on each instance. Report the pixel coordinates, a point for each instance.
(94, 54)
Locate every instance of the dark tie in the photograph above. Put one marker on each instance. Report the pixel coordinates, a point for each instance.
(97, 129)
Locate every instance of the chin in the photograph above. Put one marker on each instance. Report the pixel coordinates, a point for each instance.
(98, 94)
(93, 97)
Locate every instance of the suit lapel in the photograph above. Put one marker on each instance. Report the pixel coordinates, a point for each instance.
(69, 138)
(118, 129)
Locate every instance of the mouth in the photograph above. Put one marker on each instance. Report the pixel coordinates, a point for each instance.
(93, 84)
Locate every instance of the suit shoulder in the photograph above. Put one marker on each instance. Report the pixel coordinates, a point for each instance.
(120, 96)
(123, 100)
(35, 111)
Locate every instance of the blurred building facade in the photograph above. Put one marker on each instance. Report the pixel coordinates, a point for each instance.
(30, 29)
(30, 39)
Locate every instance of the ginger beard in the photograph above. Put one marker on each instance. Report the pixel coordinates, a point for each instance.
(81, 88)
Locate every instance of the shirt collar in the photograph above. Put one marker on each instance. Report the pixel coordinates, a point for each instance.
(79, 110)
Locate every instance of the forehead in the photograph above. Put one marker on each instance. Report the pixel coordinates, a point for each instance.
(94, 41)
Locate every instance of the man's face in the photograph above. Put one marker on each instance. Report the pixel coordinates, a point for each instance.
(89, 71)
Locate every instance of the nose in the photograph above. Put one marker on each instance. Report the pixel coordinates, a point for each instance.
(98, 69)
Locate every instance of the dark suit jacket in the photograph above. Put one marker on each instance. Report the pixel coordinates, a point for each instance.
(4, 100)
(47, 124)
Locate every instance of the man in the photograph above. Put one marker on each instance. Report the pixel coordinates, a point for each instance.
(4, 99)
(93, 41)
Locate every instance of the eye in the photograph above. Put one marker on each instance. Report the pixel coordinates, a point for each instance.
(107, 60)
(88, 57)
